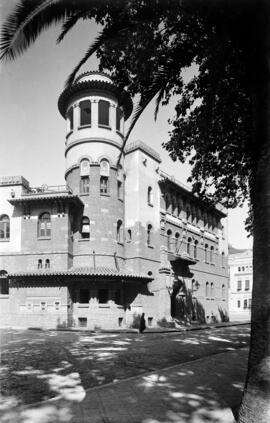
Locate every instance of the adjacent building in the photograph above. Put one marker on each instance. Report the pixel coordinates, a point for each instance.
(241, 279)
(120, 238)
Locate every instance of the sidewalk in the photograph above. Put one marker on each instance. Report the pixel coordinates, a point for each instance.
(205, 390)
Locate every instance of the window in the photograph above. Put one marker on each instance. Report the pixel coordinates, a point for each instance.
(119, 115)
(239, 269)
(43, 305)
(239, 285)
(243, 268)
(47, 264)
(177, 242)
(207, 290)
(103, 113)
(245, 304)
(129, 235)
(206, 253)
(195, 249)
(167, 203)
(57, 305)
(211, 254)
(238, 303)
(85, 229)
(84, 185)
(249, 303)
(120, 190)
(222, 259)
(39, 264)
(84, 167)
(85, 112)
(212, 290)
(169, 236)
(188, 214)
(150, 321)
(84, 296)
(103, 296)
(149, 234)
(189, 246)
(104, 185)
(119, 232)
(70, 119)
(120, 322)
(4, 285)
(4, 227)
(44, 225)
(223, 292)
(150, 196)
(247, 285)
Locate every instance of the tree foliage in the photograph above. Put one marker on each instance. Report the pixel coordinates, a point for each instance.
(146, 45)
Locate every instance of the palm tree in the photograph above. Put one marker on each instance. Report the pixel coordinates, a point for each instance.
(240, 27)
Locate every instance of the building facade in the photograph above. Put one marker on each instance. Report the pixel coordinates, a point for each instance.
(240, 288)
(120, 238)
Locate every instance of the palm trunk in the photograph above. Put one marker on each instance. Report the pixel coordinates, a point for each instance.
(255, 406)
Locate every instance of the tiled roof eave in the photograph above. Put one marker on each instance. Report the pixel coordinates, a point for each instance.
(72, 275)
(40, 198)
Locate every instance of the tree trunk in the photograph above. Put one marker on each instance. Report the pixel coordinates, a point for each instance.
(255, 406)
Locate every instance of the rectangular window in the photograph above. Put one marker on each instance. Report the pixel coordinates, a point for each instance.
(245, 304)
(247, 285)
(103, 296)
(57, 305)
(103, 113)
(43, 305)
(4, 287)
(118, 119)
(119, 190)
(120, 322)
(104, 185)
(249, 303)
(84, 296)
(85, 185)
(238, 304)
(85, 113)
(239, 285)
(150, 321)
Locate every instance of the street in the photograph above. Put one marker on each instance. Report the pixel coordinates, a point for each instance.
(45, 365)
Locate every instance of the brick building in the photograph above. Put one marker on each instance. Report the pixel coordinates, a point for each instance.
(120, 238)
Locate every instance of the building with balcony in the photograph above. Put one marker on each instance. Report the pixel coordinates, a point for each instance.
(122, 237)
(240, 288)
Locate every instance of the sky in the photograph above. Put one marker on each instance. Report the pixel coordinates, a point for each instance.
(32, 135)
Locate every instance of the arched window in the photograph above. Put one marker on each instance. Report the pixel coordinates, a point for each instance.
(4, 227)
(119, 115)
(47, 264)
(173, 205)
(85, 227)
(104, 176)
(211, 254)
(149, 234)
(223, 292)
(169, 237)
(206, 253)
(103, 113)
(44, 225)
(85, 112)
(85, 179)
(39, 264)
(177, 242)
(119, 231)
(189, 246)
(212, 290)
(129, 235)
(188, 212)
(167, 203)
(207, 290)
(150, 196)
(70, 119)
(196, 249)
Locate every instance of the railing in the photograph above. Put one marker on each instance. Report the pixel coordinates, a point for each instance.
(173, 179)
(45, 189)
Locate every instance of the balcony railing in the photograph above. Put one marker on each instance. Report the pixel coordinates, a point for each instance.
(45, 189)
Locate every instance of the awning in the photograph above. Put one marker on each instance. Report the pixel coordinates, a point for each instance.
(84, 272)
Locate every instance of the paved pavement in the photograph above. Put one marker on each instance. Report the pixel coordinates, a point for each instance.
(205, 390)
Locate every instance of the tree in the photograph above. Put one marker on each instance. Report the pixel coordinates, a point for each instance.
(222, 115)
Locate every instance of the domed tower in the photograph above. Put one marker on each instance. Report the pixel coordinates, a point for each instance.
(95, 110)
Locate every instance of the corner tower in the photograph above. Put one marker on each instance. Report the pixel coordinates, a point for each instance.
(95, 111)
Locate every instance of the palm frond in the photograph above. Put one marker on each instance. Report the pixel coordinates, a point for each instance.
(105, 35)
(68, 24)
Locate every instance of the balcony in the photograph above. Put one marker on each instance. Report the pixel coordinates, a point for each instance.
(46, 189)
